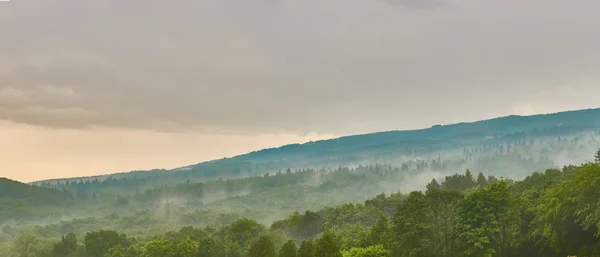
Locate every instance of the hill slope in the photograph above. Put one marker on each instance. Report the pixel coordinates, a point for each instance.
(392, 147)
(17, 190)
(22, 200)
(423, 142)
(509, 147)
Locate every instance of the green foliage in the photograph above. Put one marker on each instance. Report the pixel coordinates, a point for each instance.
(157, 247)
(434, 185)
(263, 247)
(412, 228)
(65, 247)
(486, 221)
(481, 180)
(208, 246)
(289, 249)
(34, 194)
(442, 211)
(242, 231)
(232, 249)
(29, 246)
(23, 201)
(307, 248)
(162, 247)
(550, 214)
(98, 243)
(301, 226)
(351, 235)
(371, 251)
(185, 248)
(380, 233)
(121, 251)
(570, 210)
(327, 246)
(459, 182)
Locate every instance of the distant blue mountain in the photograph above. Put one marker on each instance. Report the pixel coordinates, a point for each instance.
(555, 123)
(388, 145)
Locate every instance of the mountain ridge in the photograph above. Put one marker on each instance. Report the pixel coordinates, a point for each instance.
(595, 110)
(397, 139)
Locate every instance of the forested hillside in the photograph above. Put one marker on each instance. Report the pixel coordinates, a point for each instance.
(552, 213)
(456, 190)
(18, 200)
(555, 139)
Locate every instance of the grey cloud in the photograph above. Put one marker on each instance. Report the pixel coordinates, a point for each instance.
(420, 4)
(339, 66)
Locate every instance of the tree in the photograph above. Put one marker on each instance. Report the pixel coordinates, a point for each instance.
(327, 246)
(468, 181)
(351, 234)
(289, 249)
(412, 227)
(185, 248)
(459, 182)
(159, 247)
(193, 233)
(263, 247)
(492, 180)
(569, 212)
(598, 156)
(371, 251)
(486, 221)
(98, 243)
(307, 248)
(29, 246)
(65, 247)
(481, 181)
(242, 230)
(121, 251)
(232, 249)
(208, 246)
(117, 251)
(433, 185)
(443, 206)
(162, 247)
(380, 233)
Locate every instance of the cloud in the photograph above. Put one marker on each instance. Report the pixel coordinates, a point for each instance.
(339, 66)
(42, 93)
(420, 4)
(8, 94)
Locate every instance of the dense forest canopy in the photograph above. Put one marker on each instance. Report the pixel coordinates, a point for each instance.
(551, 213)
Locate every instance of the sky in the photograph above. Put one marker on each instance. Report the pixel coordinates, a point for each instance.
(96, 87)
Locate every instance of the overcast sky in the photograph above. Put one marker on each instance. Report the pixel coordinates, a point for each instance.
(94, 87)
